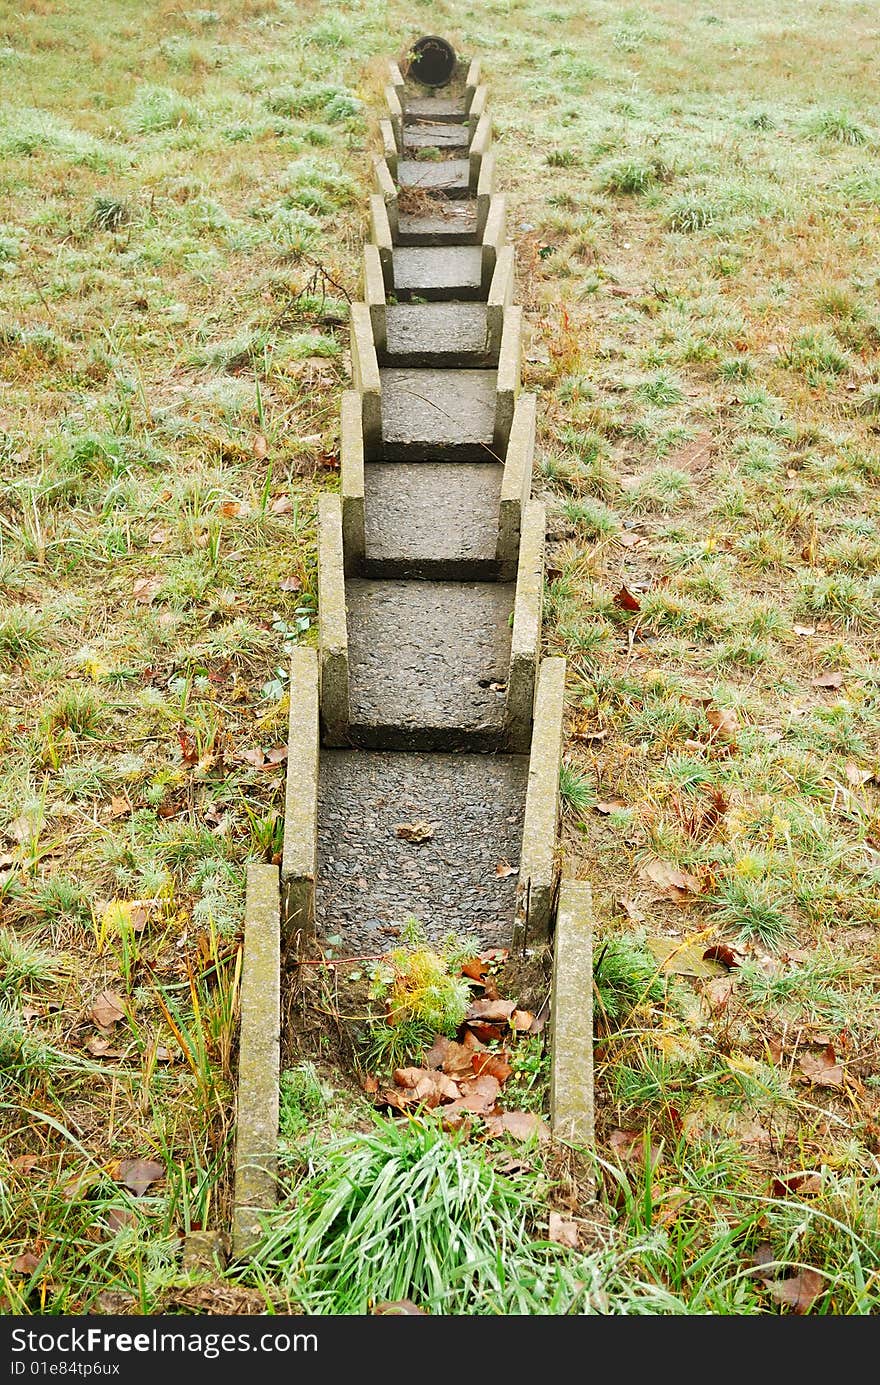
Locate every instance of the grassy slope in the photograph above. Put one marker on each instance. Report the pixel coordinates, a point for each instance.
(696, 199)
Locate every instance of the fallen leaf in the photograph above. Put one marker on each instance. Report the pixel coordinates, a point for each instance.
(119, 1217)
(402, 1307)
(145, 588)
(438, 1051)
(119, 807)
(457, 1060)
(281, 505)
(290, 584)
(824, 1070)
(101, 1048)
(261, 447)
(630, 1145)
(626, 539)
(626, 601)
(564, 1233)
(108, 1009)
(724, 953)
(827, 680)
(671, 880)
(504, 868)
(854, 776)
(522, 1021)
(495, 1064)
(491, 1010)
(805, 631)
(478, 1095)
(681, 959)
(522, 1125)
(188, 748)
(415, 832)
(371, 1084)
(609, 806)
(81, 1184)
(475, 968)
(631, 909)
(801, 1183)
(717, 993)
(25, 1263)
(139, 1174)
(799, 1292)
(724, 722)
(229, 509)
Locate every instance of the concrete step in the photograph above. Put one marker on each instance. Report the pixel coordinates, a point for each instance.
(437, 334)
(370, 878)
(423, 657)
(437, 415)
(441, 221)
(436, 134)
(439, 177)
(445, 108)
(438, 272)
(432, 519)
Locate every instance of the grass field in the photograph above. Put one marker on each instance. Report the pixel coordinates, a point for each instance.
(696, 206)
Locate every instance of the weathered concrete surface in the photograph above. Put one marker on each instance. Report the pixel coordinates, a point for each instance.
(435, 135)
(440, 177)
(374, 294)
(351, 466)
(571, 1017)
(365, 373)
(438, 415)
(258, 1055)
(445, 108)
(386, 188)
(299, 854)
(472, 81)
(477, 106)
(485, 190)
(509, 358)
(451, 271)
(537, 867)
(440, 222)
(480, 145)
(437, 334)
(205, 1252)
(380, 235)
(395, 109)
(332, 622)
(432, 519)
(423, 659)
(500, 296)
(370, 879)
(494, 238)
(389, 146)
(516, 482)
(526, 637)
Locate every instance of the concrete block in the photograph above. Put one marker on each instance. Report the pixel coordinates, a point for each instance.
(485, 189)
(258, 1056)
(516, 483)
(509, 357)
(494, 237)
(471, 82)
(365, 374)
(374, 295)
(537, 868)
(380, 235)
(571, 1017)
(205, 1252)
(333, 623)
(299, 856)
(395, 110)
(526, 637)
(501, 291)
(478, 104)
(481, 143)
(351, 465)
(387, 190)
(389, 145)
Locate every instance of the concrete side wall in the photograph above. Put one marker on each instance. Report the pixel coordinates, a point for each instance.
(351, 465)
(509, 358)
(365, 375)
(500, 298)
(259, 1056)
(299, 857)
(494, 237)
(537, 869)
(480, 145)
(516, 482)
(526, 636)
(335, 713)
(571, 1017)
(380, 235)
(374, 295)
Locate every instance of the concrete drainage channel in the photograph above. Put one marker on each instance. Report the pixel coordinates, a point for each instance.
(427, 699)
